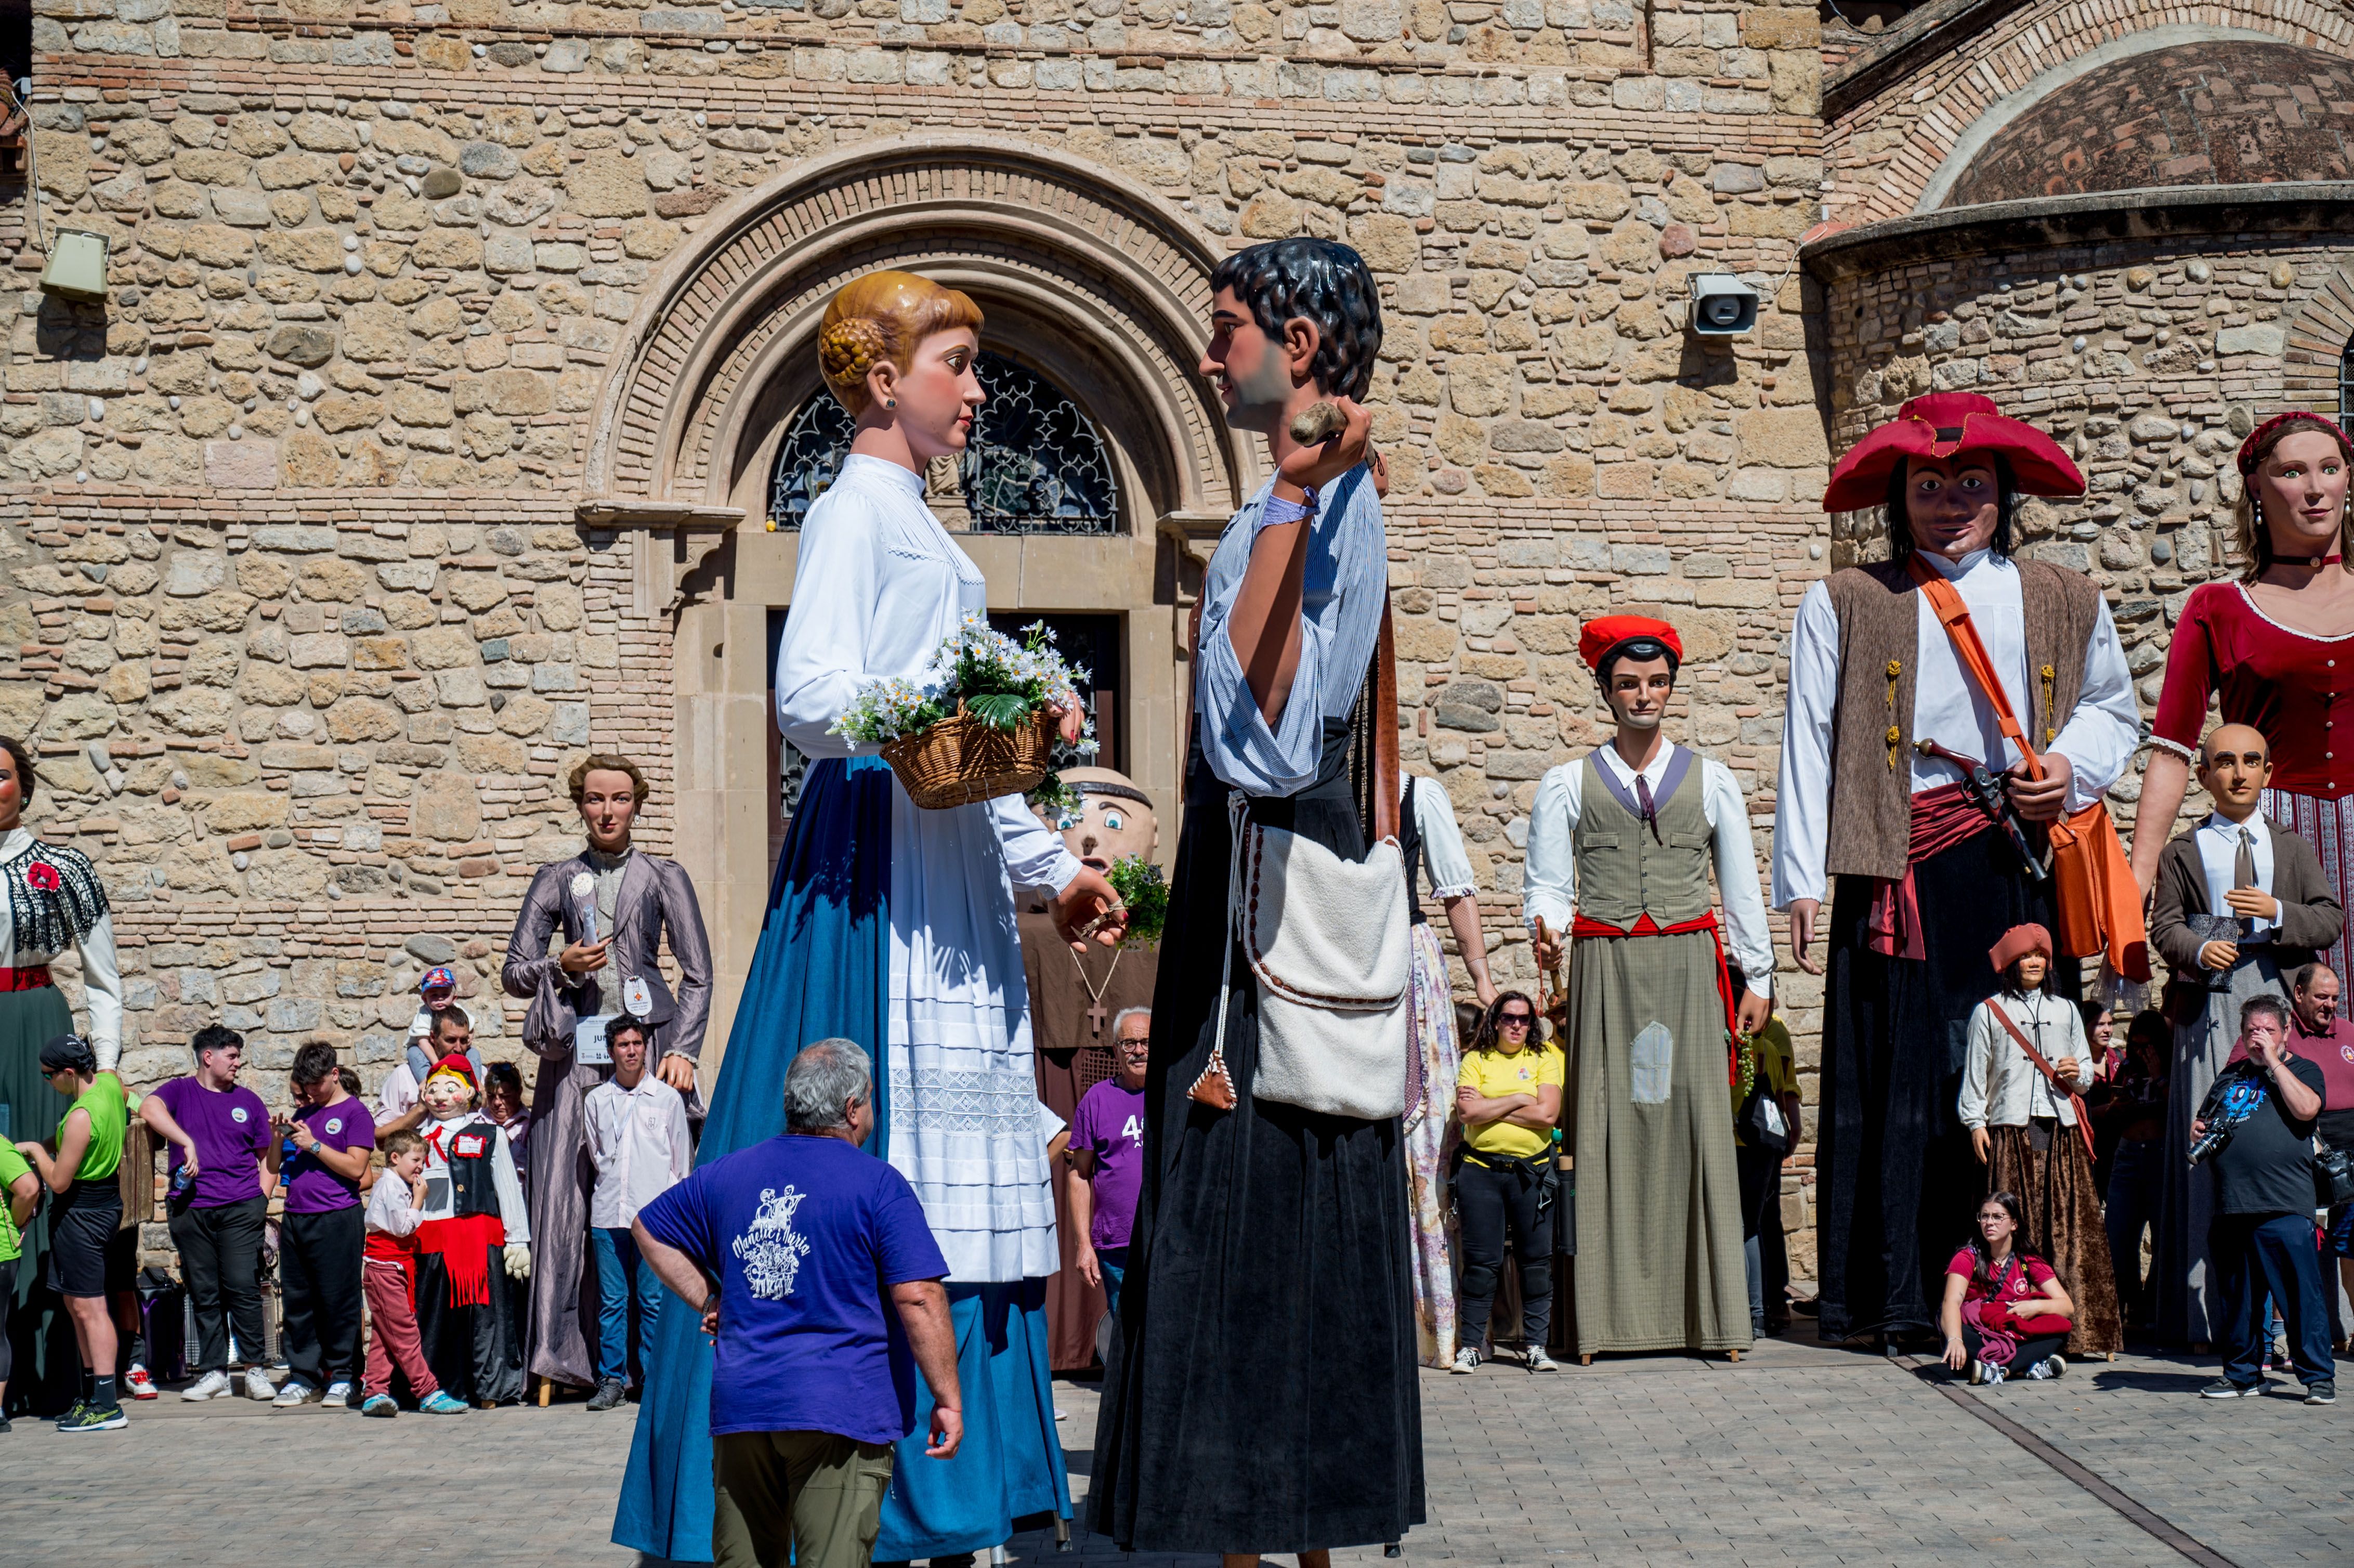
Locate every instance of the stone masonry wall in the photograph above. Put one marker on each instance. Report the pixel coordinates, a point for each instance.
(300, 618)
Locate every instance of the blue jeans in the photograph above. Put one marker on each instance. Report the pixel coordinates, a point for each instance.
(617, 1263)
(2256, 1255)
(1113, 1261)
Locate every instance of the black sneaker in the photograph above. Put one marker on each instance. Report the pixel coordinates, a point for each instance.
(608, 1394)
(93, 1418)
(2225, 1388)
(2321, 1394)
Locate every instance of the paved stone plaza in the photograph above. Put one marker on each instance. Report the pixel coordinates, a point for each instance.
(1799, 1454)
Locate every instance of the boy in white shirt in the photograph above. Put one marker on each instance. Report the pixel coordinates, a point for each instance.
(388, 1276)
(638, 1143)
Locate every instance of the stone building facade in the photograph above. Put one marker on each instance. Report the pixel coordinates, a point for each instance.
(427, 437)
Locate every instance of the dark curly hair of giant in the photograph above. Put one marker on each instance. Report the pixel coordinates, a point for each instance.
(1324, 281)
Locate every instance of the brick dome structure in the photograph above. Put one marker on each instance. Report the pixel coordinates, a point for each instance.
(2214, 114)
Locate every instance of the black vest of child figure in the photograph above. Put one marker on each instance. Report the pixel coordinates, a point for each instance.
(469, 1147)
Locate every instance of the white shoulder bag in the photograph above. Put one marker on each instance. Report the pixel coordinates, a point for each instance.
(1329, 942)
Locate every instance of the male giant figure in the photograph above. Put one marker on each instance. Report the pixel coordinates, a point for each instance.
(1620, 846)
(1928, 882)
(612, 903)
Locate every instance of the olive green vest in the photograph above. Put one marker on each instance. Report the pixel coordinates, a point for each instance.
(1623, 871)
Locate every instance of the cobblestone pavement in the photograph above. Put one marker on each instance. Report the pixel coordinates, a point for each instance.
(1799, 1454)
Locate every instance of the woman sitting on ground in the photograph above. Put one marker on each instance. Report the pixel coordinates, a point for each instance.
(2005, 1311)
(1509, 1096)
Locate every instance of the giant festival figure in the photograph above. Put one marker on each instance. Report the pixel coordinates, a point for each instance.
(1262, 1397)
(1884, 734)
(894, 925)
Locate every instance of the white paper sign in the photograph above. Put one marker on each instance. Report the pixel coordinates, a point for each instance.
(589, 1041)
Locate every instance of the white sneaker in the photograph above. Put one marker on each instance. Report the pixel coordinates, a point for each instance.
(2059, 1365)
(339, 1393)
(1466, 1359)
(1540, 1360)
(212, 1385)
(259, 1386)
(295, 1394)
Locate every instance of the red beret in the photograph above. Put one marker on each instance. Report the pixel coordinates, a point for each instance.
(1601, 638)
(1940, 424)
(2017, 943)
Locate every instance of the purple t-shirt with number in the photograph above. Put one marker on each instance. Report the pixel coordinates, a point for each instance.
(1110, 1123)
(311, 1187)
(231, 1130)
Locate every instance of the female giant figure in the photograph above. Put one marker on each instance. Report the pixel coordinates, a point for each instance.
(894, 927)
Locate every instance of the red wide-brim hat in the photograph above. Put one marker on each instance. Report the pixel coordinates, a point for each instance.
(1938, 426)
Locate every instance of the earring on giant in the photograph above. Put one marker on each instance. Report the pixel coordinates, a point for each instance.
(890, 402)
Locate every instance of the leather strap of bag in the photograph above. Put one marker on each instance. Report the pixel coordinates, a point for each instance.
(2084, 1115)
(1955, 617)
(1386, 783)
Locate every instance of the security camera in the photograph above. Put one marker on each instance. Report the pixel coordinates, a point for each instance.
(1722, 305)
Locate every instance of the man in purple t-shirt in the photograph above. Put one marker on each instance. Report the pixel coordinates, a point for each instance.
(224, 1168)
(1107, 1156)
(829, 1282)
(321, 1238)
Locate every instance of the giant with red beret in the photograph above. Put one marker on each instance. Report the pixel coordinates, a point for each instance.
(1942, 425)
(1638, 636)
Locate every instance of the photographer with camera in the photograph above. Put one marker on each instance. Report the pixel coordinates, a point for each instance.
(2255, 1130)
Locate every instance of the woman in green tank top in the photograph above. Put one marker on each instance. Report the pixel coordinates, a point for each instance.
(85, 1212)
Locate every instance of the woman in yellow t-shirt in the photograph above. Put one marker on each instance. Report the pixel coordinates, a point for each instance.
(1509, 1096)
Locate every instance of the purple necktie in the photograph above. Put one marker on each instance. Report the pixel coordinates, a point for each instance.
(1650, 811)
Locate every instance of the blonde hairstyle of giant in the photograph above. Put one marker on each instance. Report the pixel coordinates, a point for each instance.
(881, 319)
(2250, 531)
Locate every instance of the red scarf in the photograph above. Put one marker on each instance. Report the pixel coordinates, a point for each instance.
(464, 1242)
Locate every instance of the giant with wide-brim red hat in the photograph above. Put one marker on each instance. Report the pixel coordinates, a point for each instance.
(1939, 426)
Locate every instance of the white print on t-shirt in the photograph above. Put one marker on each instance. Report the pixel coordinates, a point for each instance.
(770, 1249)
(1132, 1129)
(236, 1114)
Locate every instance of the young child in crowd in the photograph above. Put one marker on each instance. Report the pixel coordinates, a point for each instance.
(638, 1142)
(395, 1207)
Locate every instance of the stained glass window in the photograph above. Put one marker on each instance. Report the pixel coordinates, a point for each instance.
(1034, 465)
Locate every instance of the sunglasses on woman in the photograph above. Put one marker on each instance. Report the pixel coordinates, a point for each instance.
(1514, 1020)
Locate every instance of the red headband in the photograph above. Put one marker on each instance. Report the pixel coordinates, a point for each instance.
(2248, 458)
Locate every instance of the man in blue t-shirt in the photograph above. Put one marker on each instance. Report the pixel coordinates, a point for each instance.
(813, 1379)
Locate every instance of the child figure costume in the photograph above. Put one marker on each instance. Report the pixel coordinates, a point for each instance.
(475, 1233)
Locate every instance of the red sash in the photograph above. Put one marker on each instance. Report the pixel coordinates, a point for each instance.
(1584, 925)
(1942, 817)
(464, 1242)
(32, 977)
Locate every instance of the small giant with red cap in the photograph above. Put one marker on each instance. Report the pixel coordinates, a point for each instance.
(1942, 425)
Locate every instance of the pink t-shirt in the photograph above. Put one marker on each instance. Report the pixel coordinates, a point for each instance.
(2024, 1283)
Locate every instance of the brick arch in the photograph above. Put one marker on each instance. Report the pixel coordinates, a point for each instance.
(1099, 285)
(2315, 343)
(1892, 150)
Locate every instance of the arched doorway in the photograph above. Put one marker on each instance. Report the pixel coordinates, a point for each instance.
(1104, 469)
